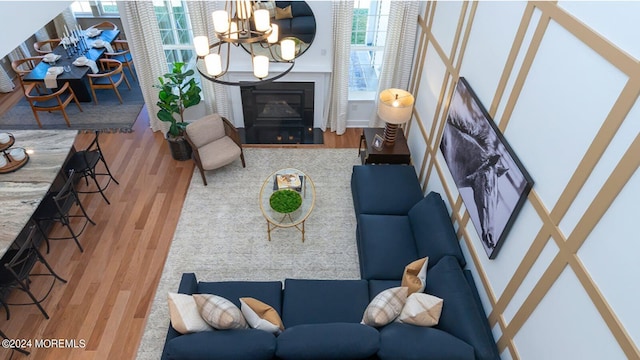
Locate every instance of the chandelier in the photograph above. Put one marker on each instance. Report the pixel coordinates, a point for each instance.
(239, 24)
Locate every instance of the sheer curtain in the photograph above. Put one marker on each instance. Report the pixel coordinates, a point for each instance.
(215, 96)
(143, 35)
(336, 108)
(398, 50)
(64, 18)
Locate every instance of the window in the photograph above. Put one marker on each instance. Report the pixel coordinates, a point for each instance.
(95, 8)
(175, 31)
(368, 36)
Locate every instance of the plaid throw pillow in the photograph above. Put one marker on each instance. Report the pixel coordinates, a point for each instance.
(219, 312)
(385, 307)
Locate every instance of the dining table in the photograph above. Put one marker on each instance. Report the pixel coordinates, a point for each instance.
(76, 76)
(22, 191)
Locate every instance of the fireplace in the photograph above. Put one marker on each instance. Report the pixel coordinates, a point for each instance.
(279, 113)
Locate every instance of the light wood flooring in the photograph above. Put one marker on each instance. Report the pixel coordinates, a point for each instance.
(104, 305)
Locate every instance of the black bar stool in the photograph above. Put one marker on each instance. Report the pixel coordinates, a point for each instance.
(55, 207)
(15, 272)
(84, 164)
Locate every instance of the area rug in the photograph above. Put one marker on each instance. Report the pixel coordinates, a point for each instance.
(222, 234)
(109, 115)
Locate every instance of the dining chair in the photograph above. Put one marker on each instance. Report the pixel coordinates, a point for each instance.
(46, 46)
(109, 77)
(22, 67)
(105, 25)
(16, 268)
(56, 101)
(56, 208)
(122, 54)
(84, 164)
(215, 143)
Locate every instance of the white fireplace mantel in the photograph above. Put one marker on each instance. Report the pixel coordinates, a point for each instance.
(321, 90)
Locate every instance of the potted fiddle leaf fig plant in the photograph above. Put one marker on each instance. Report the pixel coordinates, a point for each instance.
(178, 91)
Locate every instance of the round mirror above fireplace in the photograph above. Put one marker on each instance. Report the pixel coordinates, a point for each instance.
(294, 21)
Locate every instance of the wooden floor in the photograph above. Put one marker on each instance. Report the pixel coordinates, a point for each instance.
(104, 305)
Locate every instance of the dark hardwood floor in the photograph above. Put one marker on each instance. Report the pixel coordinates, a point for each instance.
(104, 305)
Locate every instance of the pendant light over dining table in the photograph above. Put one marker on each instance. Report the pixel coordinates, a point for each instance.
(240, 24)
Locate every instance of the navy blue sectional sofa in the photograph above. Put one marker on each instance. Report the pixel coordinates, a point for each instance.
(396, 225)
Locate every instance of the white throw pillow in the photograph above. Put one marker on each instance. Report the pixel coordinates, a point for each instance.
(421, 309)
(184, 314)
(261, 316)
(385, 307)
(219, 312)
(415, 275)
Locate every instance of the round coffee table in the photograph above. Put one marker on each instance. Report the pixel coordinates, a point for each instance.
(289, 179)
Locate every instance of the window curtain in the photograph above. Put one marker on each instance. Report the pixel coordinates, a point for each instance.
(215, 96)
(337, 104)
(143, 35)
(6, 84)
(398, 50)
(21, 52)
(64, 18)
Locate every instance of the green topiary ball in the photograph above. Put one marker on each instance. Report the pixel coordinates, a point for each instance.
(285, 201)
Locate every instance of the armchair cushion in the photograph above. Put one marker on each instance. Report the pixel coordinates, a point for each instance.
(206, 130)
(218, 153)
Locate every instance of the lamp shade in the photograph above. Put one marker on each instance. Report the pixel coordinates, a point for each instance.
(261, 19)
(288, 48)
(260, 66)
(213, 63)
(220, 21)
(273, 37)
(395, 106)
(201, 44)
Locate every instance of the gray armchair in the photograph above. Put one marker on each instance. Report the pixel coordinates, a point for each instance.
(215, 143)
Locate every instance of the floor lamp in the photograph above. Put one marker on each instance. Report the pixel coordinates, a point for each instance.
(395, 107)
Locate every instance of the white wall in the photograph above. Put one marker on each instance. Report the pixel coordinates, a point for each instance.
(559, 103)
(21, 19)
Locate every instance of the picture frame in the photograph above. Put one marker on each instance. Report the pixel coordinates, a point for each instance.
(492, 181)
(378, 142)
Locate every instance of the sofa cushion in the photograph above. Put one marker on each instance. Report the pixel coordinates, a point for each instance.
(260, 315)
(269, 292)
(415, 275)
(421, 309)
(433, 230)
(327, 341)
(245, 344)
(461, 315)
(384, 189)
(385, 246)
(378, 286)
(407, 342)
(323, 301)
(219, 312)
(385, 307)
(184, 314)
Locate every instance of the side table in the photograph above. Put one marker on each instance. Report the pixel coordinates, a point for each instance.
(396, 153)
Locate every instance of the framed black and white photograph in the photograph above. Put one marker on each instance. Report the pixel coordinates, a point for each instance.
(378, 142)
(492, 181)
